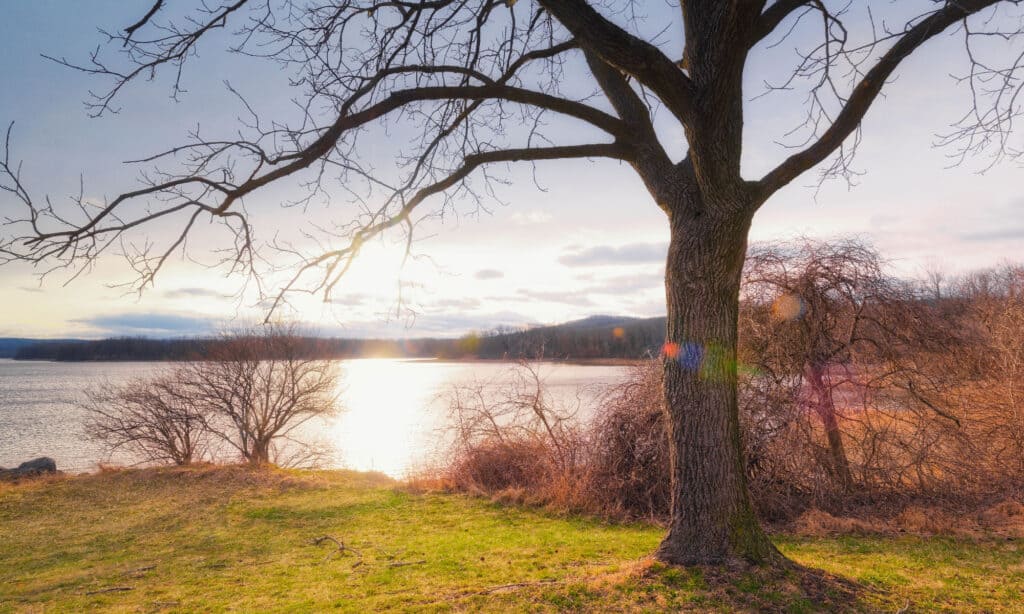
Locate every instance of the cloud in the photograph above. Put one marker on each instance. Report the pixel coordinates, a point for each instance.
(466, 303)
(529, 218)
(483, 274)
(351, 299)
(150, 324)
(556, 296)
(601, 255)
(195, 293)
(628, 284)
(994, 235)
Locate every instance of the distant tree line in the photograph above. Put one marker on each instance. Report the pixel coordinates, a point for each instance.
(593, 338)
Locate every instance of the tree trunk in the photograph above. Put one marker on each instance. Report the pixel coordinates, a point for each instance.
(826, 410)
(712, 521)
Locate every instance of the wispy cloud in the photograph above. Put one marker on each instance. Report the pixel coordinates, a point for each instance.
(149, 324)
(605, 255)
(556, 296)
(996, 234)
(528, 218)
(462, 304)
(195, 293)
(627, 284)
(484, 274)
(349, 299)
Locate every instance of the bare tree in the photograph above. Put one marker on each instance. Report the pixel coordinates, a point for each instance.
(258, 387)
(476, 83)
(155, 420)
(254, 390)
(824, 325)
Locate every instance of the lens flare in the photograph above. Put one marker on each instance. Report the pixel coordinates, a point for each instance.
(788, 307)
(670, 350)
(692, 356)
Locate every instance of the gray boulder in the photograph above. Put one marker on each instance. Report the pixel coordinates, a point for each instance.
(43, 464)
(37, 466)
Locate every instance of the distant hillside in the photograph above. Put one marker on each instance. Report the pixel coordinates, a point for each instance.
(590, 338)
(595, 337)
(9, 346)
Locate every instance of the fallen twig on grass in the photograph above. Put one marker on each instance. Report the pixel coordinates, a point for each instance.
(404, 563)
(342, 548)
(503, 587)
(140, 570)
(111, 589)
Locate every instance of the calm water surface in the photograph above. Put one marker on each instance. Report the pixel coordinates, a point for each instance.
(392, 418)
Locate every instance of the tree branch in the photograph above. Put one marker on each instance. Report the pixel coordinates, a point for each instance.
(629, 54)
(335, 263)
(865, 93)
(773, 16)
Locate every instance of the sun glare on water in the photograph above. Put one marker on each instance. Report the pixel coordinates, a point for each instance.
(390, 414)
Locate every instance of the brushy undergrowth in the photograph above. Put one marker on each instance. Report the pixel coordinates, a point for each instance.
(615, 465)
(215, 539)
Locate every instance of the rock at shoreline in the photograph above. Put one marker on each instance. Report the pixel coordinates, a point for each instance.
(37, 466)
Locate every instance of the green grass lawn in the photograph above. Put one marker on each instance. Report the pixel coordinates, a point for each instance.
(230, 539)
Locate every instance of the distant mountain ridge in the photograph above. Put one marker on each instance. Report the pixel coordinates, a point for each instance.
(599, 321)
(594, 337)
(9, 346)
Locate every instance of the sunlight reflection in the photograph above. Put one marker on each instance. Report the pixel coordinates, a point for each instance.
(394, 413)
(390, 413)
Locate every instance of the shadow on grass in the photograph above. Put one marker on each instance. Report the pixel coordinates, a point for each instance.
(793, 588)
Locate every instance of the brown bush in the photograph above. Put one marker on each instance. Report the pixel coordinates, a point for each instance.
(514, 441)
(628, 460)
(493, 466)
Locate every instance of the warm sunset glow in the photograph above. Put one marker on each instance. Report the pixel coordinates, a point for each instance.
(390, 412)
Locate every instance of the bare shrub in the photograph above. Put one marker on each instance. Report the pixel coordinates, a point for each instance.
(628, 472)
(154, 420)
(251, 394)
(514, 436)
(989, 305)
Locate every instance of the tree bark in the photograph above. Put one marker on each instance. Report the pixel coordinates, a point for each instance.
(713, 521)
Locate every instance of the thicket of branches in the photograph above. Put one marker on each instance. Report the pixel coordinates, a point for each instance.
(857, 390)
(249, 397)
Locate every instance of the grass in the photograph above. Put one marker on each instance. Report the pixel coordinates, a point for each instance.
(231, 539)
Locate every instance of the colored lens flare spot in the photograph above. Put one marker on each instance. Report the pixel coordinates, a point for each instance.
(788, 307)
(670, 350)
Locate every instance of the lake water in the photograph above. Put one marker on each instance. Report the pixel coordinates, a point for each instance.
(392, 418)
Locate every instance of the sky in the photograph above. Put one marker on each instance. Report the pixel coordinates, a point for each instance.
(569, 239)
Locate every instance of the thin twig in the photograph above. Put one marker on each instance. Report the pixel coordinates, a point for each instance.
(405, 563)
(501, 587)
(112, 589)
(342, 548)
